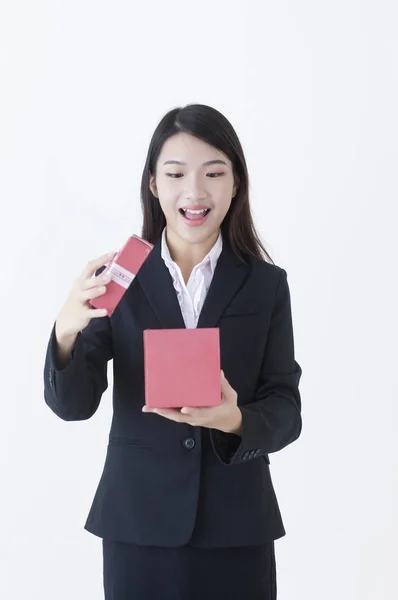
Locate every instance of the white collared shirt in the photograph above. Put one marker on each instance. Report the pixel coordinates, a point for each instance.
(191, 297)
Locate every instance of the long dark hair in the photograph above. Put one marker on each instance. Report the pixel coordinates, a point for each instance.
(209, 125)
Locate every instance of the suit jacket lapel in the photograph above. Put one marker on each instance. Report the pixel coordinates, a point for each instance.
(157, 285)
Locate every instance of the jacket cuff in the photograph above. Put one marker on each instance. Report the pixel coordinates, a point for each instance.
(225, 445)
(234, 449)
(53, 367)
(54, 360)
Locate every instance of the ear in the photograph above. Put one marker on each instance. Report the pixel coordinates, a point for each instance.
(236, 186)
(152, 185)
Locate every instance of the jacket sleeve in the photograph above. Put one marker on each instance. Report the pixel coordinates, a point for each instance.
(73, 392)
(273, 419)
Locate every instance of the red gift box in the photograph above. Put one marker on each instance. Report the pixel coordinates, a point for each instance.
(123, 268)
(182, 367)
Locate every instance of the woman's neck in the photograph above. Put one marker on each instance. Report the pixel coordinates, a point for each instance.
(187, 255)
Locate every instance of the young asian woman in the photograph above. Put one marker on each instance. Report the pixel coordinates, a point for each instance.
(186, 506)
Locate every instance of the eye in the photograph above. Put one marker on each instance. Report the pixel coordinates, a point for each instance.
(178, 175)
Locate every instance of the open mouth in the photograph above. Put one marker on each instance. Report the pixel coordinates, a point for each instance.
(195, 215)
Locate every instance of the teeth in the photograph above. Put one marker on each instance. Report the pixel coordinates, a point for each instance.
(195, 212)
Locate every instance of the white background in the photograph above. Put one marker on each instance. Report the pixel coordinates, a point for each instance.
(312, 91)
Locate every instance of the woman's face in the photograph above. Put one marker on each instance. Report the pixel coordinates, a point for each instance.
(191, 174)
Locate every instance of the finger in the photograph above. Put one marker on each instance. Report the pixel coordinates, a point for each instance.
(93, 282)
(172, 414)
(227, 391)
(93, 292)
(95, 264)
(223, 378)
(97, 312)
(225, 385)
(199, 412)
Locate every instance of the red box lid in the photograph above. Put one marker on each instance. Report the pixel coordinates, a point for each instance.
(124, 267)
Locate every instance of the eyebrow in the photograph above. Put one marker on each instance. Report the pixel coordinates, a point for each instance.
(205, 164)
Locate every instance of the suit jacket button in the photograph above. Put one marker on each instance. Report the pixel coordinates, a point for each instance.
(189, 443)
(245, 455)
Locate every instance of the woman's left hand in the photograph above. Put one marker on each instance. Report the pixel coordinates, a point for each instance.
(226, 417)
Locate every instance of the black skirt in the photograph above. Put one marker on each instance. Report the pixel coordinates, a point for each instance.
(188, 573)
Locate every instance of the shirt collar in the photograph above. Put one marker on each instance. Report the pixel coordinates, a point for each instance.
(211, 257)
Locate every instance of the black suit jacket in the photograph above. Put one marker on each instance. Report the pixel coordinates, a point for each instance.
(166, 483)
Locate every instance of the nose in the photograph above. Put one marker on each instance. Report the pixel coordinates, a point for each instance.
(195, 188)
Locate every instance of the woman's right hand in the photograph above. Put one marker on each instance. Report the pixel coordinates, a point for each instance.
(77, 312)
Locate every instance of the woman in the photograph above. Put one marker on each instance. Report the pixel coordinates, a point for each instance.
(185, 505)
